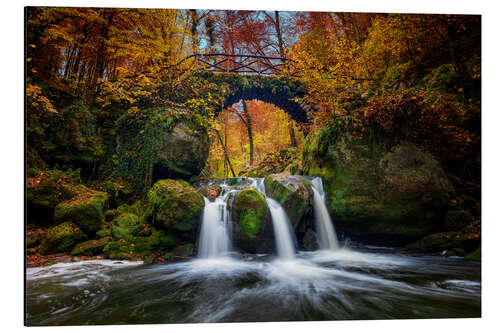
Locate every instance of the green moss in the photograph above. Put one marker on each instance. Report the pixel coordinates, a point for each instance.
(474, 256)
(186, 250)
(468, 241)
(175, 205)
(375, 189)
(33, 238)
(61, 238)
(46, 189)
(292, 192)
(91, 247)
(86, 211)
(128, 248)
(139, 247)
(251, 210)
(119, 191)
(126, 224)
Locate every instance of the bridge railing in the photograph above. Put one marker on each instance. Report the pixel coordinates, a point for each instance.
(243, 64)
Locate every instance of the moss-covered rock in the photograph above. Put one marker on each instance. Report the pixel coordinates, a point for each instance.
(211, 191)
(376, 191)
(138, 247)
(86, 211)
(293, 193)
(33, 238)
(184, 251)
(456, 220)
(126, 224)
(45, 190)
(468, 241)
(91, 247)
(61, 238)
(119, 191)
(474, 256)
(175, 205)
(251, 221)
(128, 248)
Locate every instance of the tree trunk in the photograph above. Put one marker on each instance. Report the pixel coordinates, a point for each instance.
(293, 139)
(225, 153)
(249, 130)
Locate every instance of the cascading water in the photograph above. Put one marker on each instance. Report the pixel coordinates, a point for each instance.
(258, 184)
(324, 225)
(214, 237)
(282, 230)
(284, 237)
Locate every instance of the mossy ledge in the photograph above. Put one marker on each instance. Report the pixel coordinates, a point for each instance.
(175, 205)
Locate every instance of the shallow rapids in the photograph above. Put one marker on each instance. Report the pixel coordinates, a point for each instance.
(322, 285)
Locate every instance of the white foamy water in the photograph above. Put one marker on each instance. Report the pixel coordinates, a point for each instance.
(258, 184)
(282, 230)
(214, 236)
(324, 225)
(74, 268)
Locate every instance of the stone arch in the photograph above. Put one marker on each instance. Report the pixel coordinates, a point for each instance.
(271, 89)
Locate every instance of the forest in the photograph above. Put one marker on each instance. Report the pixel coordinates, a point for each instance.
(138, 122)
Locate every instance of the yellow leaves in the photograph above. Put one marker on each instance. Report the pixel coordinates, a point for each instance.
(34, 93)
(133, 110)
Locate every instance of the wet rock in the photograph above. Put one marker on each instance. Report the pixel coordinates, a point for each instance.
(186, 250)
(252, 226)
(310, 241)
(376, 191)
(85, 210)
(467, 241)
(61, 238)
(175, 205)
(91, 247)
(293, 193)
(474, 256)
(45, 191)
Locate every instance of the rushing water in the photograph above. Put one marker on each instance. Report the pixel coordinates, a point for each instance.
(282, 230)
(215, 229)
(324, 225)
(329, 284)
(323, 285)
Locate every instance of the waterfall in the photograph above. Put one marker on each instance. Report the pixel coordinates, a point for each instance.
(324, 225)
(214, 237)
(282, 230)
(258, 184)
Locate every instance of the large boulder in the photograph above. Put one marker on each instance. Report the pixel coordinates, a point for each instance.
(378, 192)
(175, 205)
(45, 191)
(252, 226)
(139, 247)
(91, 247)
(467, 241)
(294, 194)
(85, 210)
(126, 224)
(474, 256)
(61, 238)
(184, 152)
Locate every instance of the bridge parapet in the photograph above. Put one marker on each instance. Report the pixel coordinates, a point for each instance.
(245, 64)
